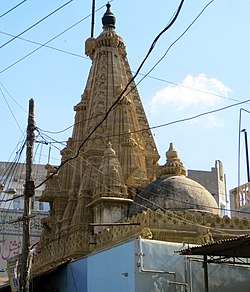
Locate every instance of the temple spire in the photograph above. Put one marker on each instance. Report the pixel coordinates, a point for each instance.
(103, 178)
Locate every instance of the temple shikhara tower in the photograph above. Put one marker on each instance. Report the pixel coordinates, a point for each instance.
(110, 187)
(115, 163)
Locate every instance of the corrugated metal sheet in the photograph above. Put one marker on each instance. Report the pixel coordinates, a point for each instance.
(236, 247)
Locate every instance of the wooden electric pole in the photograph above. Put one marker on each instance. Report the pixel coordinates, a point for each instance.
(24, 282)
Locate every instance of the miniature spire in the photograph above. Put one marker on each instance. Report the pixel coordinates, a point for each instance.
(109, 150)
(108, 19)
(173, 166)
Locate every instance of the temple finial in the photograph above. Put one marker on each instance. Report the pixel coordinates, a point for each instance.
(108, 19)
(173, 166)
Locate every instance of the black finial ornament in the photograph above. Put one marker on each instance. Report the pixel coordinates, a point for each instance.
(108, 19)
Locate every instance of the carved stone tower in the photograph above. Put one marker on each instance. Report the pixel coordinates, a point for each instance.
(102, 173)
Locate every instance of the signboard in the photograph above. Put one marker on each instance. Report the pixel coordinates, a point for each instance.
(11, 235)
(13, 270)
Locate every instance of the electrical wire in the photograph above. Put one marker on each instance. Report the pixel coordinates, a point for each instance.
(13, 8)
(157, 126)
(187, 87)
(49, 47)
(50, 40)
(11, 110)
(190, 25)
(9, 179)
(35, 24)
(13, 98)
(101, 115)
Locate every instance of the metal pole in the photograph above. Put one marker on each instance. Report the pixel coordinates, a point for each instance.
(93, 18)
(28, 193)
(247, 157)
(205, 272)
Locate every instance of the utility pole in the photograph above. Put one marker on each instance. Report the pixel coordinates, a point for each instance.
(24, 282)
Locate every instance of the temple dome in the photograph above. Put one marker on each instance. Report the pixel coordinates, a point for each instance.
(176, 193)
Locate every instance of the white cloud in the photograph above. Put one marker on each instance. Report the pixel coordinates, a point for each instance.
(183, 97)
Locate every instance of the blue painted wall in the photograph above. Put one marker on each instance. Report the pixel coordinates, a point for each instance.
(113, 270)
(69, 278)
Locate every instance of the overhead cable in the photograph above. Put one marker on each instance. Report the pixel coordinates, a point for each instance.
(169, 123)
(49, 41)
(11, 110)
(35, 24)
(49, 47)
(5, 13)
(24, 110)
(190, 25)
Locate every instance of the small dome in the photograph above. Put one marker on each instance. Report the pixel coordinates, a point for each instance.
(176, 193)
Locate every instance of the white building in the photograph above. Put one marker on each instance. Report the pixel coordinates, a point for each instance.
(12, 179)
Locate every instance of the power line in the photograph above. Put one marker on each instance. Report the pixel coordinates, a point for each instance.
(187, 87)
(35, 24)
(156, 64)
(13, 98)
(100, 115)
(5, 13)
(11, 110)
(162, 125)
(50, 40)
(49, 47)
(200, 115)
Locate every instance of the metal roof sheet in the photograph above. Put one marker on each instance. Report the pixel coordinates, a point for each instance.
(235, 247)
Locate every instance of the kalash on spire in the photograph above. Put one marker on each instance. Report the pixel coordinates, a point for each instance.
(117, 161)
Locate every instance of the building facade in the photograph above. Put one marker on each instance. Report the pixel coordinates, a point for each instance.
(215, 182)
(240, 201)
(12, 179)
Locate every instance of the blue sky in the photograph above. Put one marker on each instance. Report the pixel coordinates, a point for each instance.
(212, 57)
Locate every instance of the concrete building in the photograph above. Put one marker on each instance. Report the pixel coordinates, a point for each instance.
(12, 179)
(215, 182)
(240, 201)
